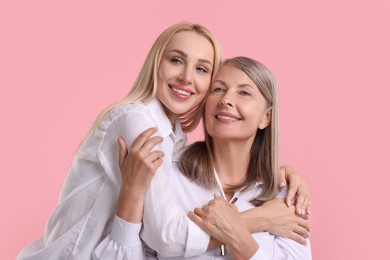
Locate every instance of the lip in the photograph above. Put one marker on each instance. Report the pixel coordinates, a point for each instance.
(181, 92)
(227, 117)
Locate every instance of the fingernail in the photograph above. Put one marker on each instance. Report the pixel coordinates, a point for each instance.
(308, 212)
(289, 203)
(282, 184)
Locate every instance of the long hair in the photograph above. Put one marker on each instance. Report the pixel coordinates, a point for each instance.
(197, 160)
(145, 86)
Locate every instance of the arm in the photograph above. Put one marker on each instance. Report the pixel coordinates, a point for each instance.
(167, 228)
(137, 172)
(81, 218)
(275, 217)
(80, 208)
(135, 181)
(85, 213)
(298, 193)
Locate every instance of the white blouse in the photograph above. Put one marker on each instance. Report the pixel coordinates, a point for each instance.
(86, 209)
(167, 228)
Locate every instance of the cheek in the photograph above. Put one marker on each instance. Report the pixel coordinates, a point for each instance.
(211, 105)
(165, 70)
(160, 79)
(204, 85)
(161, 73)
(210, 102)
(207, 122)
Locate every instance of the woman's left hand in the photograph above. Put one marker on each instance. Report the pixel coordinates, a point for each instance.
(298, 191)
(221, 220)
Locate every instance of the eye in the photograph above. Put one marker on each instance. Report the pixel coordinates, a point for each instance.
(244, 93)
(176, 60)
(218, 90)
(202, 69)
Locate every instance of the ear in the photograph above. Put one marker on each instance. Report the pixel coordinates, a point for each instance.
(266, 120)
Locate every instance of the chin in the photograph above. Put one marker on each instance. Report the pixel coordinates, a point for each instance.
(180, 109)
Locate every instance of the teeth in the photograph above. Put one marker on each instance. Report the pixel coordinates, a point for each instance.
(180, 91)
(227, 117)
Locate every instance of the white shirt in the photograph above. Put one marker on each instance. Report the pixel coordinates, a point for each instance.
(86, 209)
(165, 219)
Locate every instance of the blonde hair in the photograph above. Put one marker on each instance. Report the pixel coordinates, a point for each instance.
(145, 86)
(197, 160)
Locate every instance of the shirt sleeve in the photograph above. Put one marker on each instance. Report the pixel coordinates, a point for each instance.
(122, 243)
(197, 240)
(80, 219)
(260, 255)
(289, 249)
(123, 122)
(285, 249)
(85, 213)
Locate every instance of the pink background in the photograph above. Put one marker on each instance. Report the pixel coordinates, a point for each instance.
(62, 63)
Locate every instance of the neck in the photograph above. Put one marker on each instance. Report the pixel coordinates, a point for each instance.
(231, 160)
(171, 116)
(173, 120)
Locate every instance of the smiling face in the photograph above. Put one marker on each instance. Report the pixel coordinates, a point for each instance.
(235, 108)
(184, 73)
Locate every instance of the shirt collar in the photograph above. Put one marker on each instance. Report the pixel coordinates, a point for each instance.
(164, 125)
(160, 117)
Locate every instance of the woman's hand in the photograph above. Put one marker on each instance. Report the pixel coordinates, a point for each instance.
(282, 221)
(138, 166)
(221, 220)
(298, 191)
(276, 218)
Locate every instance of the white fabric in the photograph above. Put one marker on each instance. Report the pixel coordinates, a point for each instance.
(187, 195)
(85, 213)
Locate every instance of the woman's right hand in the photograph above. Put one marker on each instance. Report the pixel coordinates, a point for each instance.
(283, 221)
(138, 166)
(221, 220)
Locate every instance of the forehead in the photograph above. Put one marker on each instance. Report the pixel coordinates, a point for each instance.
(233, 76)
(193, 44)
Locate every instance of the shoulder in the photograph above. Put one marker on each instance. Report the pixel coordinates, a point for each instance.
(126, 120)
(127, 115)
(127, 109)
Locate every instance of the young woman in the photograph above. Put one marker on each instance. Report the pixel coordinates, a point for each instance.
(169, 94)
(238, 162)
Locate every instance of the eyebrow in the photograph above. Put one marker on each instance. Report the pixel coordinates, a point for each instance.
(240, 86)
(185, 55)
(220, 81)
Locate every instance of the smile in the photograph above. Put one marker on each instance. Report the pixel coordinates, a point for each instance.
(227, 118)
(181, 91)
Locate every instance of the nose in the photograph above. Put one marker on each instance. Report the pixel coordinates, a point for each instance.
(185, 76)
(226, 100)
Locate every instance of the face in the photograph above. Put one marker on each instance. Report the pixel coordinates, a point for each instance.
(235, 108)
(185, 73)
